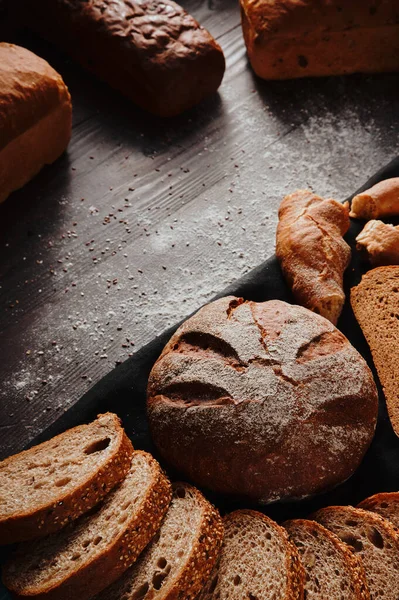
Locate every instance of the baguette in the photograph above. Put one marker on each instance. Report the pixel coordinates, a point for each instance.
(44, 488)
(178, 562)
(382, 200)
(153, 52)
(84, 558)
(312, 252)
(379, 242)
(35, 116)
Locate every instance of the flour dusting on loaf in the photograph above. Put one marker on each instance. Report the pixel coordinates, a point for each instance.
(245, 396)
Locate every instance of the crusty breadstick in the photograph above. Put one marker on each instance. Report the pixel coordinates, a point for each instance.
(312, 252)
(382, 200)
(380, 242)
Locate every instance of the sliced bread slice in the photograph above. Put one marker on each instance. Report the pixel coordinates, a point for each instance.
(385, 504)
(85, 557)
(257, 562)
(373, 539)
(43, 488)
(332, 570)
(375, 302)
(179, 560)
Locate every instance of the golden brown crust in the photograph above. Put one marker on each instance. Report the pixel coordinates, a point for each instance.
(312, 252)
(106, 568)
(153, 52)
(379, 242)
(29, 90)
(382, 200)
(385, 504)
(54, 516)
(375, 303)
(354, 569)
(300, 38)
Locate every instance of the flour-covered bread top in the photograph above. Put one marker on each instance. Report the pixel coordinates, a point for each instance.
(246, 396)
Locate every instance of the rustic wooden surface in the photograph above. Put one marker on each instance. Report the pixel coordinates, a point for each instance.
(143, 220)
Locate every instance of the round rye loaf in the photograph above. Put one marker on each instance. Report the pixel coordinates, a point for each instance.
(267, 401)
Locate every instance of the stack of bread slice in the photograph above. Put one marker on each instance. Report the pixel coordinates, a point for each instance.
(94, 518)
(85, 505)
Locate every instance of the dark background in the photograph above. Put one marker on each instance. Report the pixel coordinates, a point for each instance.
(143, 220)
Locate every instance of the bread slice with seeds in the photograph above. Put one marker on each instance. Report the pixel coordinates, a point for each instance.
(332, 570)
(257, 562)
(84, 558)
(179, 560)
(373, 539)
(385, 504)
(43, 488)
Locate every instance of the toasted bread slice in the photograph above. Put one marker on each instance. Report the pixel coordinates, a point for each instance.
(257, 562)
(373, 539)
(179, 560)
(375, 302)
(82, 559)
(332, 570)
(385, 504)
(44, 488)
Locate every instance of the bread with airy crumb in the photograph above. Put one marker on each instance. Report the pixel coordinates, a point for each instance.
(333, 571)
(385, 504)
(375, 302)
(373, 539)
(379, 242)
(178, 561)
(257, 562)
(35, 116)
(84, 558)
(44, 488)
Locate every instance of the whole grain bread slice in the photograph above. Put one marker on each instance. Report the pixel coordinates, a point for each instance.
(179, 559)
(385, 504)
(44, 488)
(373, 539)
(375, 302)
(85, 557)
(333, 571)
(257, 562)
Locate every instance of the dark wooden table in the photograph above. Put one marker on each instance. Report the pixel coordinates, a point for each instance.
(143, 220)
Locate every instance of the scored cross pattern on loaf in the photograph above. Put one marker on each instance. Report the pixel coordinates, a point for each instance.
(248, 391)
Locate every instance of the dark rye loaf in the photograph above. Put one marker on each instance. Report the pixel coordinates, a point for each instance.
(152, 51)
(246, 397)
(46, 487)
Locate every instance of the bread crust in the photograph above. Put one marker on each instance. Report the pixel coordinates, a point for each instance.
(379, 242)
(312, 252)
(103, 570)
(375, 304)
(344, 521)
(153, 52)
(386, 504)
(295, 574)
(35, 116)
(48, 518)
(193, 574)
(286, 39)
(251, 392)
(354, 567)
(381, 200)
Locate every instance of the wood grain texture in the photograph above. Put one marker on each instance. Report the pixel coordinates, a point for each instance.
(143, 220)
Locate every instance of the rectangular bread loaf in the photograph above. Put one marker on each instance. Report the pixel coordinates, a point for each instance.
(152, 51)
(35, 116)
(300, 38)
